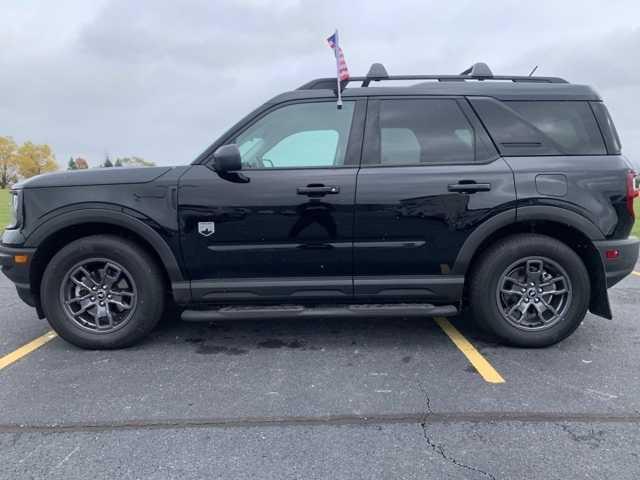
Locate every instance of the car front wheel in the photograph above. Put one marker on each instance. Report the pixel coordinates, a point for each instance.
(102, 292)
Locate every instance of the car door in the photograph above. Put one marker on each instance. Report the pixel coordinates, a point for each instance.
(281, 229)
(430, 176)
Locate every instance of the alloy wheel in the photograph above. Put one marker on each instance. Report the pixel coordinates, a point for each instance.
(98, 295)
(534, 293)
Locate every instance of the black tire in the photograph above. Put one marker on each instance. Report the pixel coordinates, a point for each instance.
(487, 297)
(142, 276)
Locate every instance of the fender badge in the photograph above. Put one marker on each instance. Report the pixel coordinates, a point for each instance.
(206, 229)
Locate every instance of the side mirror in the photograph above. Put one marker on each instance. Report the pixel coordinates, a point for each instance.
(227, 158)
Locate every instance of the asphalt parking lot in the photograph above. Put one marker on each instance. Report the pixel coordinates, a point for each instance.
(386, 398)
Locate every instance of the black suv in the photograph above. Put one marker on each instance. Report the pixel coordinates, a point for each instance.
(505, 194)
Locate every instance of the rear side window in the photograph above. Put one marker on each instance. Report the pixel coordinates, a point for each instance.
(570, 125)
(418, 132)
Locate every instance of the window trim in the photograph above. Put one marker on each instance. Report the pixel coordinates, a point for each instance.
(353, 151)
(607, 128)
(372, 148)
(482, 136)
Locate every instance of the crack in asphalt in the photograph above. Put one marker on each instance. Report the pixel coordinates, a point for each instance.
(438, 448)
(593, 438)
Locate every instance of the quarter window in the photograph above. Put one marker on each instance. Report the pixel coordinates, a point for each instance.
(300, 135)
(570, 124)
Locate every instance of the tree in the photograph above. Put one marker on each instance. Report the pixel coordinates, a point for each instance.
(8, 161)
(35, 159)
(107, 162)
(72, 164)
(118, 163)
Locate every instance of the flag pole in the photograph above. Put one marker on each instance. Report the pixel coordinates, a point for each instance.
(342, 72)
(337, 55)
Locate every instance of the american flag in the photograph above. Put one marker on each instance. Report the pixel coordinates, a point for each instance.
(341, 64)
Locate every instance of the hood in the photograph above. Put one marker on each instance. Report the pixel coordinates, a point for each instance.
(94, 176)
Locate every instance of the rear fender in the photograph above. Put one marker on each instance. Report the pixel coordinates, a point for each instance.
(526, 219)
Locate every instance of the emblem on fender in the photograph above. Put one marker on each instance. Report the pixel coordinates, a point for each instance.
(206, 229)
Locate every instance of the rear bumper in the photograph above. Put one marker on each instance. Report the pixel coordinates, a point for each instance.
(18, 273)
(618, 268)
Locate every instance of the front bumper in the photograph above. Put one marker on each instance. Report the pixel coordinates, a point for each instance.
(621, 266)
(17, 272)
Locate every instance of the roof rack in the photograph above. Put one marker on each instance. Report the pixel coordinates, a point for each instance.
(377, 73)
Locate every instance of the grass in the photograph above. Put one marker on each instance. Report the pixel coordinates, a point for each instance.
(636, 228)
(4, 208)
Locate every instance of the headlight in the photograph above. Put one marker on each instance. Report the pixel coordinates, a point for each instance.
(14, 209)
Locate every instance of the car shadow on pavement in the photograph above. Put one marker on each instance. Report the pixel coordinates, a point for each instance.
(237, 337)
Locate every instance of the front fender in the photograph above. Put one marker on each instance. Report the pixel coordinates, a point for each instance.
(139, 225)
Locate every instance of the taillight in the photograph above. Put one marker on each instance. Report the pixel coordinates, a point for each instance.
(633, 190)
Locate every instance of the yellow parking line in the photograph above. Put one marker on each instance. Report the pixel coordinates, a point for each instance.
(482, 366)
(26, 349)
(636, 273)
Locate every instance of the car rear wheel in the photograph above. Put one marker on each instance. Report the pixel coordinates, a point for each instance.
(102, 292)
(530, 290)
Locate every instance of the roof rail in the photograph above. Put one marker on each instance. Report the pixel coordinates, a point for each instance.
(378, 73)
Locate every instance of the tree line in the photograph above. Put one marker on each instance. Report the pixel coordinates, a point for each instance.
(24, 161)
(81, 164)
(29, 159)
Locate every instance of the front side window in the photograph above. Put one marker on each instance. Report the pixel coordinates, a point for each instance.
(423, 131)
(301, 135)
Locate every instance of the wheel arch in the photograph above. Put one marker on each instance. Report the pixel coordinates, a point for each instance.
(56, 232)
(570, 228)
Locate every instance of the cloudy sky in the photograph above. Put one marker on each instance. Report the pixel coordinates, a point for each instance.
(162, 79)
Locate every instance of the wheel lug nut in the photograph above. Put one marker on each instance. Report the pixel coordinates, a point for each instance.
(526, 300)
(101, 303)
(537, 300)
(93, 299)
(524, 290)
(93, 288)
(540, 290)
(109, 296)
(532, 284)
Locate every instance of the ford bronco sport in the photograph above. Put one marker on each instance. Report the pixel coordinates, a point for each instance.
(505, 195)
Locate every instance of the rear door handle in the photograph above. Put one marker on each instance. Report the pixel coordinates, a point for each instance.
(318, 190)
(469, 187)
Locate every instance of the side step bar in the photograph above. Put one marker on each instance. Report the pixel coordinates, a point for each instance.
(300, 311)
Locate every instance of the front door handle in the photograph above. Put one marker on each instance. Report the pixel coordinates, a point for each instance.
(318, 190)
(469, 187)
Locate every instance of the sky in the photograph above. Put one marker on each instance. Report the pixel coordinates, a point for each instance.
(163, 79)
